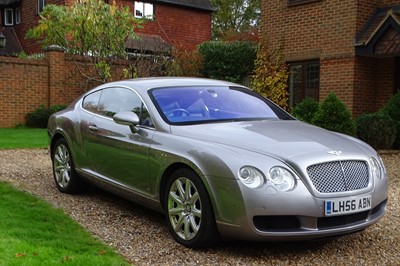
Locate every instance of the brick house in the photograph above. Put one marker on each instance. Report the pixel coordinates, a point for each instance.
(183, 23)
(350, 47)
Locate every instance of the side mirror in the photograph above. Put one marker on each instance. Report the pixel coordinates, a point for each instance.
(127, 119)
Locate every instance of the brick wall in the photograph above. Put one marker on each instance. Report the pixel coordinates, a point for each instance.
(26, 84)
(55, 80)
(29, 17)
(326, 30)
(179, 26)
(23, 88)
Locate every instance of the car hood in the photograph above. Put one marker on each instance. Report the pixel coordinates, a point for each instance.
(283, 139)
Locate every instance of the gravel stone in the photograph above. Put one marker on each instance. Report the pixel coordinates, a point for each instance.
(142, 237)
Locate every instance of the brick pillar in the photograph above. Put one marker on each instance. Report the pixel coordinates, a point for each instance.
(56, 57)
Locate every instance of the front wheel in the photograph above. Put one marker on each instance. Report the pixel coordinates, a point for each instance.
(189, 211)
(65, 176)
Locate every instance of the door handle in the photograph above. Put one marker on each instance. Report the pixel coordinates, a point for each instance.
(93, 128)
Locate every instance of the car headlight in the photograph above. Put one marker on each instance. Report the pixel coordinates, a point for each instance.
(251, 177)
(281, 178)
(376, 169)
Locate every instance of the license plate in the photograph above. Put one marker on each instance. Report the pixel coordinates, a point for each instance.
(347, 205)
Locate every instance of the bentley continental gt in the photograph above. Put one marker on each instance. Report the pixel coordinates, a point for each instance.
(219, 160)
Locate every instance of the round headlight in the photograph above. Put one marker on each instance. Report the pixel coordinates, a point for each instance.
(376, 168)
(281, 178)
(251, 177)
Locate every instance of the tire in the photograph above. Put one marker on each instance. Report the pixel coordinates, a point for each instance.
(189, 211)
(65, 176)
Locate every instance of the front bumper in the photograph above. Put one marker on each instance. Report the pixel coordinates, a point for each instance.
(268, 215)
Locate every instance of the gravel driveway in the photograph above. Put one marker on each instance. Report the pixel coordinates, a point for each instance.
(141, 235)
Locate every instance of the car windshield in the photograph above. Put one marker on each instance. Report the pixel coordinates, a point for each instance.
(191, 105)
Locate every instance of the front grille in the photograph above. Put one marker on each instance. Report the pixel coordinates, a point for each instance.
(339, 176)
(335, 221)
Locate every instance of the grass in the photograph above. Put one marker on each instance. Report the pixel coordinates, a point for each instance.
(34, 233)
(15, 138)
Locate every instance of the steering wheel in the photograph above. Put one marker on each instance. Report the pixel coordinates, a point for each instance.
(177, 112)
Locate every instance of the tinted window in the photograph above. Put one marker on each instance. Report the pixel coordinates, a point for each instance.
(202, 104)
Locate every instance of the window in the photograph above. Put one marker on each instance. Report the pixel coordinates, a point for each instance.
(91, 101)
(8, 17)
(144, 10)
(303, 81)
(40, 5)
(110, 101)
(18, 16)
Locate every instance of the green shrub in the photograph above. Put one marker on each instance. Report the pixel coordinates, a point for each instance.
(231, 61)
(40, 116)
(377, 129)
(392, 109)
(333, 115)
(306, 110)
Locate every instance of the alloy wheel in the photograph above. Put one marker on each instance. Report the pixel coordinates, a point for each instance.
(62, 166)
(184, 208)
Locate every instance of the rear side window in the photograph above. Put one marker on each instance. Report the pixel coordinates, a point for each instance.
(91, 101)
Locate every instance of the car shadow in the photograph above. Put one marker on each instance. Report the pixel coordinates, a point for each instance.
(234, 247)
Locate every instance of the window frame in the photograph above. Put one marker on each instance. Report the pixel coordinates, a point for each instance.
(305, 81)
(17, 16)
(40, 5)
(8, 13)
(143, 9)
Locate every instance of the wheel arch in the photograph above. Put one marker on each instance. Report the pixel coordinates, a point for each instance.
(174, 167)
(57, 136)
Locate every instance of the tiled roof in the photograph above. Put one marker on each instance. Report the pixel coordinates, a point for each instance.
(147, 44)
(374, 26)
(198, 4)
(13, 47)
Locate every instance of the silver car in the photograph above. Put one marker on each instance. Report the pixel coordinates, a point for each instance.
(218, 160)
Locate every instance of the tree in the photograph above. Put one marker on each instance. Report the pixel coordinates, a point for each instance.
(236, 17)
(92, 29)
(271, 73)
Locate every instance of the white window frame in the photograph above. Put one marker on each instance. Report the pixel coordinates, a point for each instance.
(8, 14)
(144, 10)
(40, 5)
(17, 15)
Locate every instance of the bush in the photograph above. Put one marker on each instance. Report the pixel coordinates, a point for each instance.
(40, 116)
(231, 61)
(185, 63)
(306, 110)
(333, 115)
(392, 109)
(377, 129)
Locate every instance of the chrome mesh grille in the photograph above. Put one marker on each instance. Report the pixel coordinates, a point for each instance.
(339, 176)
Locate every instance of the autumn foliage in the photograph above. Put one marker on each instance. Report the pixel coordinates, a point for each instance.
(271, 73)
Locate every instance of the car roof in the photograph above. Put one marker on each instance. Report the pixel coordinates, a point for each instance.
(145, 84)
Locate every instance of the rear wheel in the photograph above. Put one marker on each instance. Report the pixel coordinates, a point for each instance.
(189, 211)
(65, 176)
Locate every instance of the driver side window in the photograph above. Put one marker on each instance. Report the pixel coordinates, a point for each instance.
(114, 100)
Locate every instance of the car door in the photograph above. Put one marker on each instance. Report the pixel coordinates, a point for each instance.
(118, 154)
